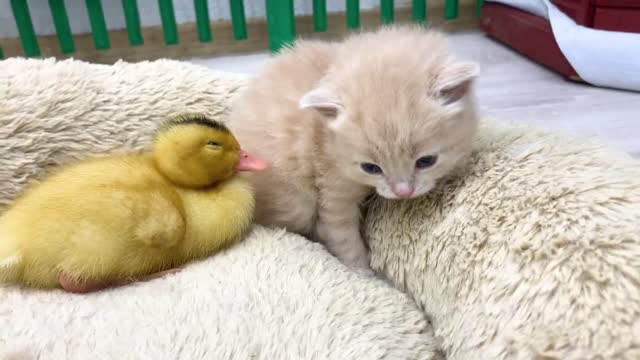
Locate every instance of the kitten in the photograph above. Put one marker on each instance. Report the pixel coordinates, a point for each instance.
(390, 110)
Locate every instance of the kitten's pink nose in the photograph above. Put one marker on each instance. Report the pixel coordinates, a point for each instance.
(403, 189)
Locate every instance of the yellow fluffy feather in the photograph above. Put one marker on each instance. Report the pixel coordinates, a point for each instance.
(113, 218)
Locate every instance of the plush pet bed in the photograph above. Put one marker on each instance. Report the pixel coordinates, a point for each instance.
(532, 251)
(274, 296)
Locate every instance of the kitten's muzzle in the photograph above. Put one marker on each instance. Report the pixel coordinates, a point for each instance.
(403, 190)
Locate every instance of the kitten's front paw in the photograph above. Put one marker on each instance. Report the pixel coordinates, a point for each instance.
(346, 244)
(358, 262)
(366, 272)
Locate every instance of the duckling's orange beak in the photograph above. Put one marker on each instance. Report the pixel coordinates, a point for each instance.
(249, 162)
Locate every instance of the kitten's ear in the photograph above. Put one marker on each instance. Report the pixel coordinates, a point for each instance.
(454, 81)
(323, 100)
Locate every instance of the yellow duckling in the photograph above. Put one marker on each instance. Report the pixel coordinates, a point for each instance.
(116, 219)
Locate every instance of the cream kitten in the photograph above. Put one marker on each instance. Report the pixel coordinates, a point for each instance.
(390, 110)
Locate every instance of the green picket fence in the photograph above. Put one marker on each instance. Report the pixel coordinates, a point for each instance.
(280, 21)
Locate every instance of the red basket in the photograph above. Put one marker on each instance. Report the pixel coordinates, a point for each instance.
(532, 36)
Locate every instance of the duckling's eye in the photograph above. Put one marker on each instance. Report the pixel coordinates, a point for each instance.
(370, 168)
(214, 143)
(426, 161)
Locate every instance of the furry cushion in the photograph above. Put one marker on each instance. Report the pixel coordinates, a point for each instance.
(273, 296)
(533, 253)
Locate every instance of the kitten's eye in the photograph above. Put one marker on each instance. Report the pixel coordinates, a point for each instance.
(370, 168)
(213, 143)
(426, 161)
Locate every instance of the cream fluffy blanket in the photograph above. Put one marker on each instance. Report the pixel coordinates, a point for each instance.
(532, 252)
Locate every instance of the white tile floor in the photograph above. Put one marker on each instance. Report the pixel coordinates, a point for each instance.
(515, 89)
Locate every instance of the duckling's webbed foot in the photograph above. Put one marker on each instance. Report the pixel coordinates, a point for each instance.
(74, 285)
